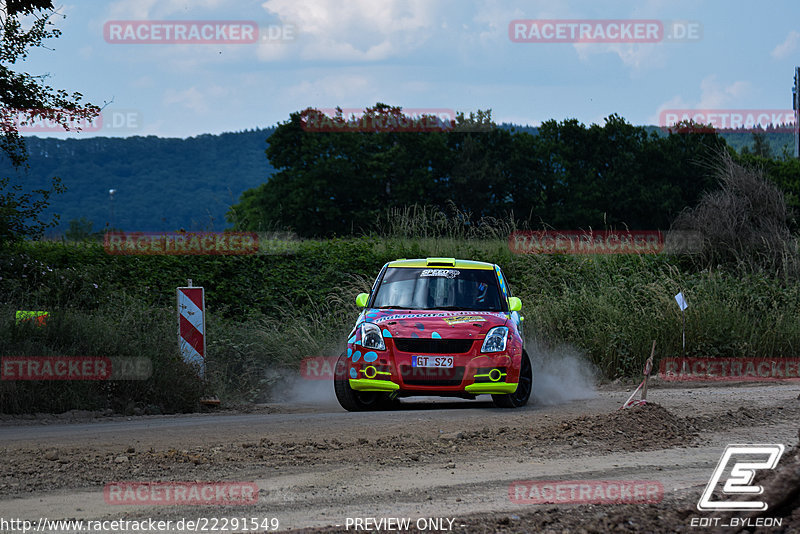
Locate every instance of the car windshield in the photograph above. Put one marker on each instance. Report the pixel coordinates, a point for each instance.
(428, 289)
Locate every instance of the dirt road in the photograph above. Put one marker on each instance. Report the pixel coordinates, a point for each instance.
(315, 465)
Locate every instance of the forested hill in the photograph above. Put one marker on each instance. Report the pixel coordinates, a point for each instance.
(161, 183)
(167, 184)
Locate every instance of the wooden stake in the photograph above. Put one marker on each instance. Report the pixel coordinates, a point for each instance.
(648, 366)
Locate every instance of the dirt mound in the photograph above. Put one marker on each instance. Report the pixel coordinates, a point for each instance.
(743, 415)
(637, 428)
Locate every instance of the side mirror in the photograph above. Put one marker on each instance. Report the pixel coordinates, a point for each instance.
(361, 299)
(514, 304)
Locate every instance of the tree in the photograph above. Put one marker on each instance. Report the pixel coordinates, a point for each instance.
(569, 176)
(25, 98)
(79, 229)
(760, 148)
(477, 168)
(340, 179)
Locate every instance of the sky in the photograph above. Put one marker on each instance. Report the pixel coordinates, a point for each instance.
(419, 54)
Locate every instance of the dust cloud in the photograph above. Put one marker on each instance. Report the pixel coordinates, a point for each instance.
(561, 374)
(310, 387)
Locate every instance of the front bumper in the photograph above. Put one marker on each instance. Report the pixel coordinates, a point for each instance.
(366, 384)
(495, 388)
(473, 373)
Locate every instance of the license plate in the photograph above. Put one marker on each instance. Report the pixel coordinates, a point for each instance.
(432, 361)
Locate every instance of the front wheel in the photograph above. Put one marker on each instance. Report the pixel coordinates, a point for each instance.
(352, 400)
(520, 397)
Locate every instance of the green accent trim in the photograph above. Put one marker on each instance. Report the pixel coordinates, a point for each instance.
(376, 372)
(361, 299)
(459, 264)
(492, 387)
(366, 384)
(446, 262)
(486, 375)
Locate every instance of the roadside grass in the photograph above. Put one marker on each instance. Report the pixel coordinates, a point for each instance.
(246, 359)
(120, 328)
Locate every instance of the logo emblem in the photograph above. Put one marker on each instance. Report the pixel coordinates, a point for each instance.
(740, 479)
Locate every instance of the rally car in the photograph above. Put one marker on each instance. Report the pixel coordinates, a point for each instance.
(435, 326)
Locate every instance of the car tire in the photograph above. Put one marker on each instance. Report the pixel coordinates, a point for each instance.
(520, 397)
(352, 400)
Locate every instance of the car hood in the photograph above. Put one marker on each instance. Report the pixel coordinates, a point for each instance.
(442, 324)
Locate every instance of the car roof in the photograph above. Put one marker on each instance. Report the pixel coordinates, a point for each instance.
(441, 263)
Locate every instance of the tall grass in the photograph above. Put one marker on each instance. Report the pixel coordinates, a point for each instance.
(247, 358)
(744, 224)
(430, 222)
(612, 309)
(121, 328)
(422, 231)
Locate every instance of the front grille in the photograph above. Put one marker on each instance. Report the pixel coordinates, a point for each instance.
(431, 376)
(433, 346)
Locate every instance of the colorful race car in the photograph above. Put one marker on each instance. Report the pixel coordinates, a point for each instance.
(435, 326)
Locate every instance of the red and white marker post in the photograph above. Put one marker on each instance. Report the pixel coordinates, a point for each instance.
(192, 326)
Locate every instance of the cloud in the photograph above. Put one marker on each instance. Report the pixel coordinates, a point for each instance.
(787, 47)
(492, 17)
(633, 55)
(356, 30)
(194, 99)
(143, 82)
(154, 9)
(713, 95)
(334, 90)
(676, 102)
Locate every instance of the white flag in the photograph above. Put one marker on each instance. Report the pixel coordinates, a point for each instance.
(681, 301)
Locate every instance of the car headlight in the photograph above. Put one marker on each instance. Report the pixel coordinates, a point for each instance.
(371, 337)
(495, 340)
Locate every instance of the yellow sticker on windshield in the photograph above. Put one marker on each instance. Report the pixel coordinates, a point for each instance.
(456, 319)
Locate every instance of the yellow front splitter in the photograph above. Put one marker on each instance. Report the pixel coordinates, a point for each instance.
(366, 384)
(495, 388)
